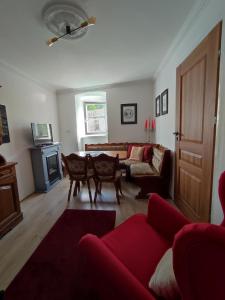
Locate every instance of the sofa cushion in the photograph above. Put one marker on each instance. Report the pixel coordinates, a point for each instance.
(147, 155)
(141, 169)
(142, 247)
(163, 281)
(136, 153)
(129, 162)
(157, 159)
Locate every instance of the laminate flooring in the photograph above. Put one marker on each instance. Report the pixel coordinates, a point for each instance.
(41, 211)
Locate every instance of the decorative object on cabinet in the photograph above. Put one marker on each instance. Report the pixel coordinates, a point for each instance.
(147, 129)
(2, 160)
(153, 124)
(157, 106)
(10, 213)
(4, 130)
(47, 168)
(164, 102)
(129, 113)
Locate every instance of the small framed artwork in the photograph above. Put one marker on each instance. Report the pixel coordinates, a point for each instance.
(164, 102)
(129, 113)
(4, 131)
(157, 106)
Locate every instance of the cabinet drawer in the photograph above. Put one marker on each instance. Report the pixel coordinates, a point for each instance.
(7, 179)
(6, 172)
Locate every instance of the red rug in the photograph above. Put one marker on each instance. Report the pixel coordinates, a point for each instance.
(52, 271)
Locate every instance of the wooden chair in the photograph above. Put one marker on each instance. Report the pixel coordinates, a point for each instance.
(106, 170)
(77, 168)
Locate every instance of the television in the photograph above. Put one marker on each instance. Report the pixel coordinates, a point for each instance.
(42, 134)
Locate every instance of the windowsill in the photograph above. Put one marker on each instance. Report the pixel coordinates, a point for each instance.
(93, 135)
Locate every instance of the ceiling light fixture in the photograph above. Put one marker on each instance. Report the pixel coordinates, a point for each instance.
(89, 22)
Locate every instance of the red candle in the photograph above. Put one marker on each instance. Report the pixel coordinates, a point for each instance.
(147, 124)
(153, 125)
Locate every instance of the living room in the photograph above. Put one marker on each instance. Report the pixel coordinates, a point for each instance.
(39, 85)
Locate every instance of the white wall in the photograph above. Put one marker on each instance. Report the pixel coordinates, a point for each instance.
(195, 29)
(140, 92)
(67, 121)
(25, 102)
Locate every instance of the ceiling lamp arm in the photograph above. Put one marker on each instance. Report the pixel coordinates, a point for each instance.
(90, 21)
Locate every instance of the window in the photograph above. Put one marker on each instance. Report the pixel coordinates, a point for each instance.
(95, 117)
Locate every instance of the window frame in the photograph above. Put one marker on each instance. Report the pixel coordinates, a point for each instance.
(86, 118)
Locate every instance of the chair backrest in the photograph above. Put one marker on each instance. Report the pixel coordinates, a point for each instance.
(105, 165)
(76, 165)
(199, 261)
(221, 191)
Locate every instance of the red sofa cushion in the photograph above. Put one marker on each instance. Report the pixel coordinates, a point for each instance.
(129, 148)
(142, 248)
(147, 155)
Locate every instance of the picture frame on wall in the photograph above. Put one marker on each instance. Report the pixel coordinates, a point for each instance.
(4, 130)
(157, 106)
(164, 102)
(129, 113)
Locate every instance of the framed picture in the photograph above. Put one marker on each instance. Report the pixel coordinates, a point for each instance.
(4, 131)
(129, 113)
(157, 106)
(164, 102)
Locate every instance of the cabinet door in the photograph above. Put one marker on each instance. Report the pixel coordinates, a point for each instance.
(7, 202)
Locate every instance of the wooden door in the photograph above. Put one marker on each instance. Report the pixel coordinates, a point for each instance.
(197, 92)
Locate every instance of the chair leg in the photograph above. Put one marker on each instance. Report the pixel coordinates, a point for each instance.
(71, 183)
(120, 188)
(75, 191)
(100, 187)
(89, 190)
(96, 190)
(117, 192)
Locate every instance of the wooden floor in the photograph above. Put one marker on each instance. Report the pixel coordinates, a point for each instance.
(41, 211)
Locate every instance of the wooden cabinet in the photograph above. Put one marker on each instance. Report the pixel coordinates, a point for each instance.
(10, 213)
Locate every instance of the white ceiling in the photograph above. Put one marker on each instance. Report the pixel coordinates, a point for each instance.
(128, 42)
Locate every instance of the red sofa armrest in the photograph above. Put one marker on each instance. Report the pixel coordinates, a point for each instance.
(110, 278)
(165, 218)
(199, 261)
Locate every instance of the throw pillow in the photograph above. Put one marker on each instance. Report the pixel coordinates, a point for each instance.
(157, 153)
(157, 159)
(147, 155)
(129, 148)
(163, 281)
(136, 153)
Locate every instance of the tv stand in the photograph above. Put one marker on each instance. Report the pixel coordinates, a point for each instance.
(47, 167)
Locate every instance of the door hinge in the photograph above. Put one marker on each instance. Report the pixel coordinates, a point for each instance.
(215, 120)
(219, 53)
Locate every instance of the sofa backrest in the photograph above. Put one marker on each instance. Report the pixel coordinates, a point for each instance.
(106, 147)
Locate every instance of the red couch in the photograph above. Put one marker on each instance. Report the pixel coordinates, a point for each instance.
(120, 264)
